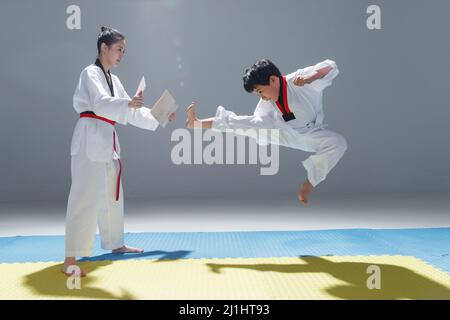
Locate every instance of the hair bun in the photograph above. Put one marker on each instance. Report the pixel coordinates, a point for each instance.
(103, 29)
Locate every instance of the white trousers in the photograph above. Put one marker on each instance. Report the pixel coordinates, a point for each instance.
(92, 201)
(328, 148)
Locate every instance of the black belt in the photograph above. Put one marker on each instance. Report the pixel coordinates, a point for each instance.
(88, 112)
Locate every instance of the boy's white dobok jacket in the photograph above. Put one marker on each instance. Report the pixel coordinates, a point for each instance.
(304, 101)
(306, 132)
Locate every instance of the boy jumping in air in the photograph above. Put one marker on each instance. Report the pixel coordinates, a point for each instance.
(293, 105)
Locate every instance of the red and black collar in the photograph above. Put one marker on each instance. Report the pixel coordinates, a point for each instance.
(282, 102)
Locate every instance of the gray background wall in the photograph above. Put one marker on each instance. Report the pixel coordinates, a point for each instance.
(391, 99)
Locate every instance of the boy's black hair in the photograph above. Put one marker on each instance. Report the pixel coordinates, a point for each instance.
(259, 74)
(108, 36)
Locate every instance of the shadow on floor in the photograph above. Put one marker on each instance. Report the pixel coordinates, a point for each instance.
(166, 255)
(53, 283)
(396, 282)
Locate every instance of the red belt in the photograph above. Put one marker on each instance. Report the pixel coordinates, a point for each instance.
(92, 115)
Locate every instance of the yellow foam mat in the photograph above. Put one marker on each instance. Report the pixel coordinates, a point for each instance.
(335, 277)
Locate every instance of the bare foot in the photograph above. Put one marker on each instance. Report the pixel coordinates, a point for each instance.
(126, 249)
(70, 268)
(304, 192)
(191, 116)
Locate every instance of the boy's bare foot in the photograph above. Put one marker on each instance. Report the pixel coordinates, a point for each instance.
(126, 249)
(191, 117)
(71, 263)
(304, 192)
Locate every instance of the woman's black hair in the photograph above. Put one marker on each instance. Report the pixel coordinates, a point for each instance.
(108, 36)
(259, 74)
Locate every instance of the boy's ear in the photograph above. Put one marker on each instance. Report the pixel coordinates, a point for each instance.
(272, 79)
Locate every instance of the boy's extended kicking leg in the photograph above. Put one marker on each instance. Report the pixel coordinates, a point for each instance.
(192, 120)
(328, 146)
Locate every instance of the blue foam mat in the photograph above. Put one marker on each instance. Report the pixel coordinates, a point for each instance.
(429, 244)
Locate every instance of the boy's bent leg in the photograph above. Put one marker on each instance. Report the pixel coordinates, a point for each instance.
(329, 147)
(305, 190)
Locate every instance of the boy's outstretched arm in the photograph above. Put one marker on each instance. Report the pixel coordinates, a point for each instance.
(309, 78)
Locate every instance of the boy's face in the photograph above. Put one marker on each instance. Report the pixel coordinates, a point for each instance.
(270, 91)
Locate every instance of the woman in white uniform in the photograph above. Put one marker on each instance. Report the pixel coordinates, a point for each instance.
(96, 195)
(293, 105)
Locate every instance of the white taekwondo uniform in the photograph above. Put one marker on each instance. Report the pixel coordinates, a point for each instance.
(96, 194)
(305, 132)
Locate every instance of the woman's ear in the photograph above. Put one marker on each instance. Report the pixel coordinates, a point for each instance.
(103, 48)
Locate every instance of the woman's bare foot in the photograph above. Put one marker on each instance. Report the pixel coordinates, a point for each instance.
(304, 192)
(126, 249)
(191, 116)
(71, 263)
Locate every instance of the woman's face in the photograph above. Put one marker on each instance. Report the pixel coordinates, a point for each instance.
(114, 53)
